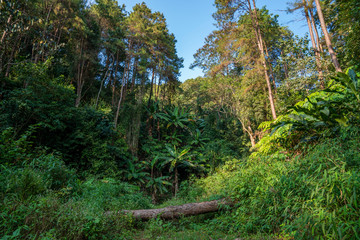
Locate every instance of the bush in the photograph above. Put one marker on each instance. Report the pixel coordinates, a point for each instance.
(305, 196)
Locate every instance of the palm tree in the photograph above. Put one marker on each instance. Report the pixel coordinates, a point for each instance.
(175, 159)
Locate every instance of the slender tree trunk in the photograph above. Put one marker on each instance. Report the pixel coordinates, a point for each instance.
(261, 49)
(315, 47)
(113, 82)
(107, 67)
(80, 83)
(271, 69)
(176, 182)
(154, 189)
(134, 75)
(158, 89)
(121, 93)
(318, 42)
(327, 37)
(151, 87)
(249, 131)
(5, 31)
(80, 73)
(101, 84)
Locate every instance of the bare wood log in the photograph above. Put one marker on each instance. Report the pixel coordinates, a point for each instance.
(172, 212)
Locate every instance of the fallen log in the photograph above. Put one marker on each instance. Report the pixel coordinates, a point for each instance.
(172, 212)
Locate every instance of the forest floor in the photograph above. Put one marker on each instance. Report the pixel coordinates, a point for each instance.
(201, 234)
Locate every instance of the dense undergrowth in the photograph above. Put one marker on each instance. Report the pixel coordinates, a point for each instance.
(314, 194)
(311, 195)
(94, 119)
(58, 179)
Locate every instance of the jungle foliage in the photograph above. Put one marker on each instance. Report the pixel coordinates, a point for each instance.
(93, 119)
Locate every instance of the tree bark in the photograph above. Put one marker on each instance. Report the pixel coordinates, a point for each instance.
(315, 47)
(319, 46)
(249, 131)
(121, 93)
(152, 86)
(327, 37)
(101, 84)
(5, 31)
(176, 182)
(172, 212)
(112, 80)
(134, 75)
(253, 14)
(270, 68)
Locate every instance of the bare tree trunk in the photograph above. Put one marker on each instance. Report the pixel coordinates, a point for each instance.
(113, 81)
(152, 85)
(80, 83)
(101, 84)
(134, 75)
(173, 212)
(176, 182)
(158, 89)
(261, 49)
(318, 43)
(315, 47)
(79, 80)
(249, 131)
(271, 69)
(327, 37)
(5, 31)
(121, 93)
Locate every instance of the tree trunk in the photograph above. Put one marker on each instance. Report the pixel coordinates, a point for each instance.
(152, 86)
(271, 69)
(5, 31)
(318, 43)
(121, 94)
(315, 47)
(158, 89)
(249, 131)
(172, 212)
(80, 71)
(262, 53)
(327, 37)
(134, 75)
(101, 84)
(113, 81)
(176, 182)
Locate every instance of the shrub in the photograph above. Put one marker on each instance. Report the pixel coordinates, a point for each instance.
(305, 196)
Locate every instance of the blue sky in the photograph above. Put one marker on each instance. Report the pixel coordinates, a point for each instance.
(191, 21)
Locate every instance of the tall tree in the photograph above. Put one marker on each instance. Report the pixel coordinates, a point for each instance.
(312, 28)
(226, 11)
(327, 37)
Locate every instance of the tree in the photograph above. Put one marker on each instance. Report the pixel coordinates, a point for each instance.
(327, 37)
(226, 11)
(312, 28)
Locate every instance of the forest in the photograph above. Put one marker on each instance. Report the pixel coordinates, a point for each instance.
(95, 124)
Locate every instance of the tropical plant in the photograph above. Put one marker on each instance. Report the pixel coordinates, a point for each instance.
(177, 158)
(322, 113)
